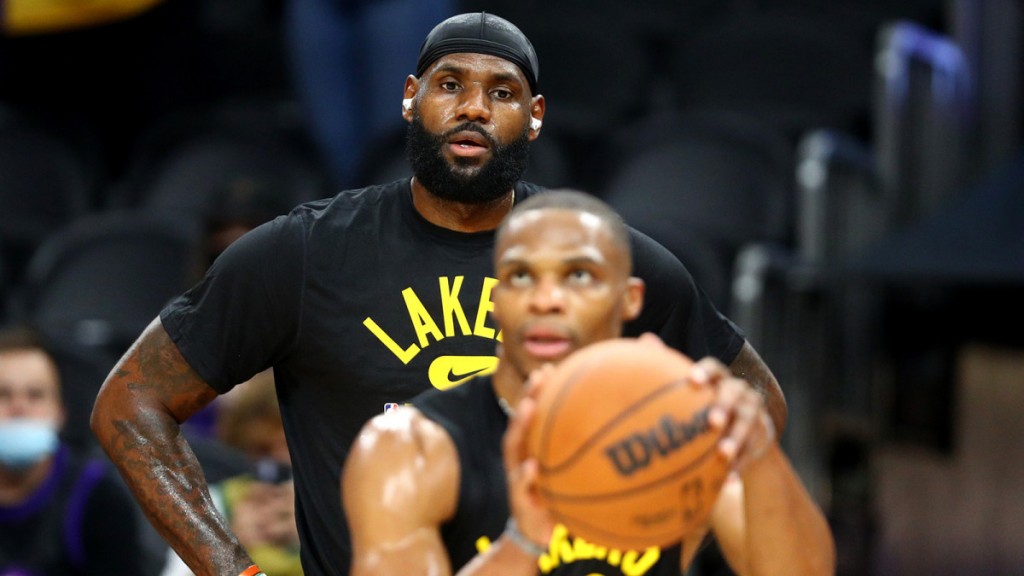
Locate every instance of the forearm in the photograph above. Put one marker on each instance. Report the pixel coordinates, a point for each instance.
(164, 476)
(136, 420)
(786, 531)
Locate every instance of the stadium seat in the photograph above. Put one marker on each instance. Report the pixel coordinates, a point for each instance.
(719, 179)
(44, 185)
(799, 72)
(98, 282)
(190, 154)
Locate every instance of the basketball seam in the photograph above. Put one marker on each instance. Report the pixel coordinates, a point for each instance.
(545, 435)
(552, 495)
(593, 439)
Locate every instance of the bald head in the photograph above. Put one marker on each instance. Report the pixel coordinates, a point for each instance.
(575, 201)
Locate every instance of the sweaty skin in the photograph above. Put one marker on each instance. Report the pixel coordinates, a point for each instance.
(152, 390)
(137, 420)
(564, 284)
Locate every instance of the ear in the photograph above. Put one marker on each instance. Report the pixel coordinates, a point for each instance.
(537, 107)
(633, 298)
(412, 86)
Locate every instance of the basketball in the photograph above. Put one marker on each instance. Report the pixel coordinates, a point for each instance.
(626, 457)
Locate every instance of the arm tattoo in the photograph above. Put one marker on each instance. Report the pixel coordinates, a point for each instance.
(137, 420)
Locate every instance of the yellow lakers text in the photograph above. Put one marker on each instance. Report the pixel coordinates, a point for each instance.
(453, 318)
(565, 549)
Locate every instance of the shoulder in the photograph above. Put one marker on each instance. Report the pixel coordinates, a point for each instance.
(319, 218)
(526, 189)
(649, 253)
(398, 445)
(405, 430)
(665, 276)
(404, 439)
(370, 197)
(351, 209)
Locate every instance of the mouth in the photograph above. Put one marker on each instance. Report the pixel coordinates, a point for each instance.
(547, 344)
(468, 143)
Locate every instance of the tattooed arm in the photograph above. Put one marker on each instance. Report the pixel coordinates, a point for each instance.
(749, 366)
(137, 420)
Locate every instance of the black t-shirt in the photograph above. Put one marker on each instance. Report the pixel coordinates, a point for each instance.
(359, 302)
(471, 416)
(79, 522)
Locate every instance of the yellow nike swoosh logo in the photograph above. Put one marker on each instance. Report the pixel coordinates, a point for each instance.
(449, 371)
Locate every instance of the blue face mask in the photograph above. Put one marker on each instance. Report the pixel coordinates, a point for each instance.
(26, 441)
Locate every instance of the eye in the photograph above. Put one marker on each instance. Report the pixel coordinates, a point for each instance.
(580, 277)
(502, 94)
(519, 279)
(450, 85)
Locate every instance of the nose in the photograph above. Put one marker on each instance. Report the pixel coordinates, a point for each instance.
(548, 297)
(474, 105)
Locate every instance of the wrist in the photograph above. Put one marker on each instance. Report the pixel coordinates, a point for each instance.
(521, 540)
(253, 570)
(766, 458)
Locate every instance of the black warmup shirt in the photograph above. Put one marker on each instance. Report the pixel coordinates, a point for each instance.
(474, 421)
(357, 302)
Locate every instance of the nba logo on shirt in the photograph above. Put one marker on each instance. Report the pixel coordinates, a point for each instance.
(390, 407)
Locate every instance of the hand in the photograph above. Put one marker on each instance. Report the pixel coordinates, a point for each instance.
(531, 516)
(739, 411)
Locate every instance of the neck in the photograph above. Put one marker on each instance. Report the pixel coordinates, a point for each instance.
(508, 384)
(460, 216)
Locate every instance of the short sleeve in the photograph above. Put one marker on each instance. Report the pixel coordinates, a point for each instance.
(677, 309)
(244, 315)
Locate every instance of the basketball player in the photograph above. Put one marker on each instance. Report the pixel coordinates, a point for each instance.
(425, 488)
(367, 299)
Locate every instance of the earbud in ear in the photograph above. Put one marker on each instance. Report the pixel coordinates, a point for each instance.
(407, 103)
(535, 123)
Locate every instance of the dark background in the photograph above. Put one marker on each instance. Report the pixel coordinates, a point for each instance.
(843, 178)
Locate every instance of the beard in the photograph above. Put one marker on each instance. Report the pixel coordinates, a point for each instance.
(465, 182)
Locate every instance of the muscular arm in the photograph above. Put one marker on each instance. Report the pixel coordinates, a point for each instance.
(399, 484)
(771, 525)
(749, 366)
(137, 419)
(765, 520)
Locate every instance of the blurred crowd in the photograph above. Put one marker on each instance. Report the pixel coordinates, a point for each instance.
(175, 126)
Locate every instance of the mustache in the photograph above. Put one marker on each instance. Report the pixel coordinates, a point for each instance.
(471, 127)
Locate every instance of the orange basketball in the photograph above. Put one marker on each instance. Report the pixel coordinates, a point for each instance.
(626, 457)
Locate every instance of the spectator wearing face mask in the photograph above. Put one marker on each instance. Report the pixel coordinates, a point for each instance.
(61, 513)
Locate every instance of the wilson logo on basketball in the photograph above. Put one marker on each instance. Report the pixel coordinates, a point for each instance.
(636, 451)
